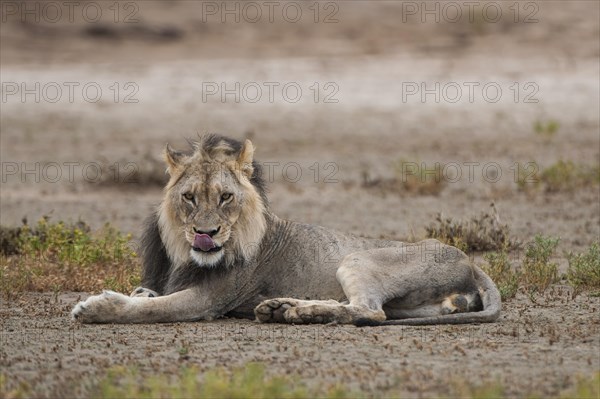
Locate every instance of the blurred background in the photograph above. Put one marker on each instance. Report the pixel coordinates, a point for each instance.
(346, 102)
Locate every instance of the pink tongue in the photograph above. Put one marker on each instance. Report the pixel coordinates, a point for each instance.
(204, 242)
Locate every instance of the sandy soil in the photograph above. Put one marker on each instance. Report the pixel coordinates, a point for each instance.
(363, 121)
(533, 348)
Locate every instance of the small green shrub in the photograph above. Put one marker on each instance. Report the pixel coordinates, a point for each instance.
(561, 176)
(527, 178)
(538, 272)
(584, 269)
(58, 242)
(567, 176)
(60, 257)
(500, 271)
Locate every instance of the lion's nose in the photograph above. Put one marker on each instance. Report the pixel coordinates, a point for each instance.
(210, 233)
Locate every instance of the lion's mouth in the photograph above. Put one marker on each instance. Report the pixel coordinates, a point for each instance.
(215, 249)
(205, 243)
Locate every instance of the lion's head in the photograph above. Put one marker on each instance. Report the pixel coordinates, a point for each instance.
(214, 209)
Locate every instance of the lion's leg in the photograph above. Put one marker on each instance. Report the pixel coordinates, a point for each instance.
(364, 302)
(359, 279)
(422, 280)
(112, 307)
(418, 284)
(428, 279)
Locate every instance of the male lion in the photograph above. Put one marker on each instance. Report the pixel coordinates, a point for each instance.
(214, 248)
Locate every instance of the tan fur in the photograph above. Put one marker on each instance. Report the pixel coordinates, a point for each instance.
(178, 250)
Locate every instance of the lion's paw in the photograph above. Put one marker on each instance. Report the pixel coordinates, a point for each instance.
(143, 292)
(272, 310)
(310, 314)
(104, 308)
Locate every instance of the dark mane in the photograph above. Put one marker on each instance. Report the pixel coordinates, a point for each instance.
(155, 261)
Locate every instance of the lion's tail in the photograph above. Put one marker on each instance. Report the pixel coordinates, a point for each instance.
(492, 305)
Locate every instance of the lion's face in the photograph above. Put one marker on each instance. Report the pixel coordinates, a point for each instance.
(211, 211)
(207, 202)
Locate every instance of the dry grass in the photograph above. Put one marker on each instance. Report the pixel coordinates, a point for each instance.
(410, 178)
(9, 240)
(59, 257)
(147, 171)
(562, 176)
(483, 233)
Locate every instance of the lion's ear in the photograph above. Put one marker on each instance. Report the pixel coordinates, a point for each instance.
(245, 158)
(173, 159)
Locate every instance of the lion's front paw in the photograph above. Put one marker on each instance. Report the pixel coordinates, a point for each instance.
(107, 307)
(272, 310)
(144, 292)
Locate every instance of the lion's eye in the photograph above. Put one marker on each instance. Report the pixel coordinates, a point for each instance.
(226, 197)
(188, 197)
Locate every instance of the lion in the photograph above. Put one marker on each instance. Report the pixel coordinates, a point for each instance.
(213, 248)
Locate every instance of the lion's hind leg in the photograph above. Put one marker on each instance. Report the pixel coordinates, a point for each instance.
(395, 282)
(423, 280)
(461, 303)
(365, 299)
(398, 308)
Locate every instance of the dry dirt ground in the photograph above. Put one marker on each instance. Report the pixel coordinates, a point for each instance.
(343, 111)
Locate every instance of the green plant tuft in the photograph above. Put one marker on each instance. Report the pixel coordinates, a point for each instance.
(584, 269)
(538, 272)
(61, 257)
(500, 271)
(585, 388)
(568, 176)
(247, 382)
(546, 130)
